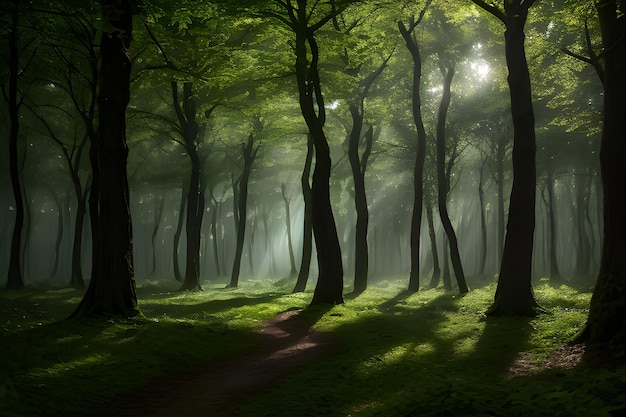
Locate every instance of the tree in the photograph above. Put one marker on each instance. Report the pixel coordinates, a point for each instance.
(249, 153)
(514, 295)
(14, 277)
(112, 286)
(443, 179)
(410, 38)
(307, 228)
(299, 19)
(604, 332)
(287, 200)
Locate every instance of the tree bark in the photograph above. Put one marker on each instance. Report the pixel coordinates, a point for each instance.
(329, 288)
(179, 230)
(420, 154)
(483, 221)
(249, 154)
(14, 277)
(436, 276)
(604, 332)
(555, 275)
(112, 287)
(361, 253)
(292, 260)
(514, 294)
(443, 181)
(186, 114)
(307, 239)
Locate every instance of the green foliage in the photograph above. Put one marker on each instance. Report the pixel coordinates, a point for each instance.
(425, 354)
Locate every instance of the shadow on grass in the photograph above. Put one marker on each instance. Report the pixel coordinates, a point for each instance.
(421, 359)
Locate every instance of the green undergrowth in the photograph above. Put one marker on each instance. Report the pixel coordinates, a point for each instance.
(395, 353)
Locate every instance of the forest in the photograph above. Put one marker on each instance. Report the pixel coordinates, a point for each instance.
(313, 207)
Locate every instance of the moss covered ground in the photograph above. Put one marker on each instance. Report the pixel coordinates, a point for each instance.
(430, 353)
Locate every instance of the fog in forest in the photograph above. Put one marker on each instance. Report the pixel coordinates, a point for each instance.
(567, 102)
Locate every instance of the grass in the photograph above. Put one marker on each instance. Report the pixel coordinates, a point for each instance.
(398, 354)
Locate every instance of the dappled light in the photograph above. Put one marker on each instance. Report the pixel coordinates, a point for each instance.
(294, 208)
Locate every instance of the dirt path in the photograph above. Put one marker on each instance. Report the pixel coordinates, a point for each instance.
(287, 345)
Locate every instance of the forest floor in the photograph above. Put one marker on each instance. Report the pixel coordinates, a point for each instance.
(287, 343)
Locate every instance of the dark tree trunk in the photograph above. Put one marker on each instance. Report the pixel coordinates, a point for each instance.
(604, 332)
(434, 279)
(500, 154)
(179, 230)
(329, 288)
(443, 182)
(555, 275)
(292, 259)
(307, 232)
(249, 154)
(361, 254)
(446, 276)
(483, 220)
(59, 233)
(112, 287)
(14, 277)
(158, 212)
(514, 294)
(218, 270)
(186, 114)
(418, 169)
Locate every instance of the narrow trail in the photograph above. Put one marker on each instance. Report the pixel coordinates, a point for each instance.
(287, 345)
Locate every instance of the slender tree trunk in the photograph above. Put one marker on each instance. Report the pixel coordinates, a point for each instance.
(307, 229)
(447, 278)
(112, 287)
(218, 270)
(483, 220)
(604, 332)
(179, 230)
(443, 184)
(158, 212)
(14, 277)
(249, 154)
(361, 254)
(500, 185)
(292, 259)
(418, 169)
(59, 233)
(514, 295)
(555, 275)
(186, 114)
(329, 288)
(434, 280)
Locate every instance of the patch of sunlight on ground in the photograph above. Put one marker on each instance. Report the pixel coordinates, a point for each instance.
(60, 368)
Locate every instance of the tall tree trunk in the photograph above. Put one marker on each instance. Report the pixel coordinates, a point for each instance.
(158, 214)
(446, 276)
(307, 229)
(14, 277)
(292, 260)
(186, 114)
(112, 288)
(59, 234)
(179, 230)
(514, 294)
(604, 332)
(483, 220)
(361, 253)
(418, 169)
(329, 288)
(443, 182)
(249, 154)
(555, 275)
(436, 276)
(218, 270)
